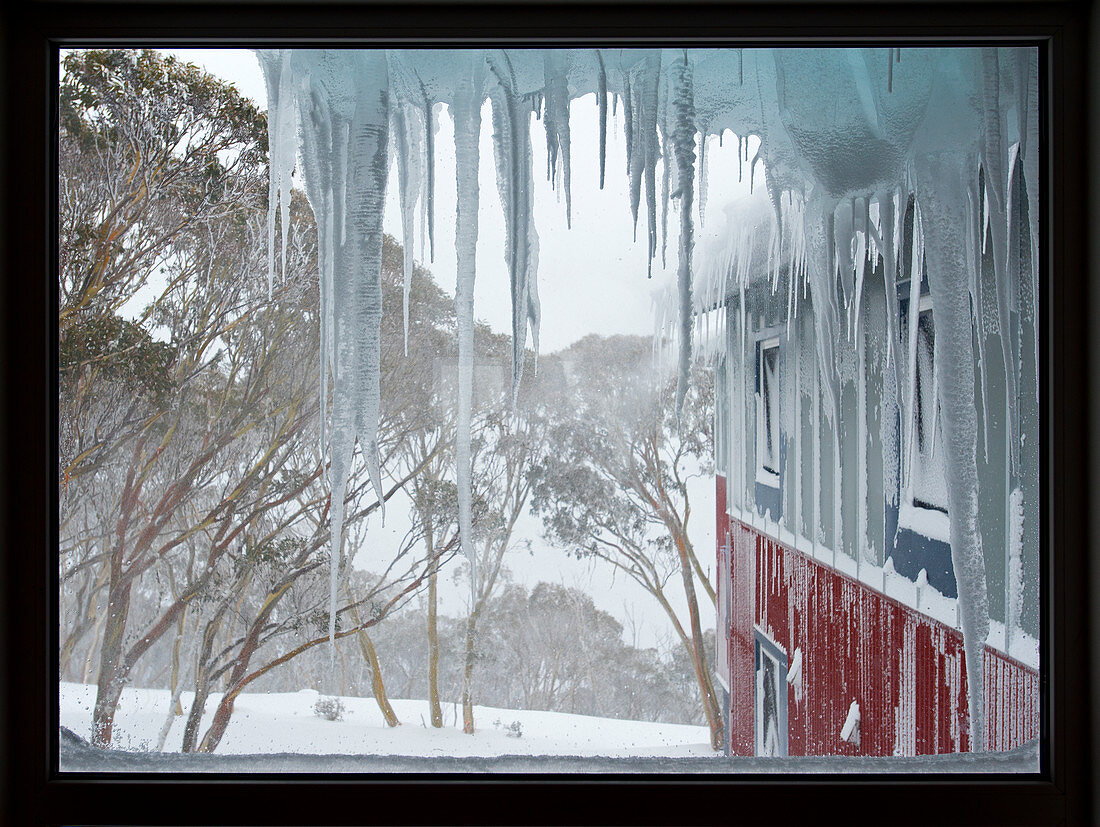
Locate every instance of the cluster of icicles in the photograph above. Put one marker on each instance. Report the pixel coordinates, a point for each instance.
(844, 135)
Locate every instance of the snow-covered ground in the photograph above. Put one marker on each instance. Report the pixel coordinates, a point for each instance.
(280, 733)
(286, 723)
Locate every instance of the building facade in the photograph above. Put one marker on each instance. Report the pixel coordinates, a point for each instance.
(838, 621)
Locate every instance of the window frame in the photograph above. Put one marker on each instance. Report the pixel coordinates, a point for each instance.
(34, 792)
(768, 415)
(911, 476)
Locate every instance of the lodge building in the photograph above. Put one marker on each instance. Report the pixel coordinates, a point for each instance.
(838, 628)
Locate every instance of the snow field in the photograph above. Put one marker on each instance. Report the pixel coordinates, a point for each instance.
(286, 723)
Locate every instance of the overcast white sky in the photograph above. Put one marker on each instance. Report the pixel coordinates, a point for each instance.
(592, 279)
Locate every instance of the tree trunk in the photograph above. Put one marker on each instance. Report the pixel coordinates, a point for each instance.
(371, 657)
(699, 649)
(177, 707)
(203, 679)
(109, 685)
(89, 618)
(433, 643)
(467, 676)
(220, 723)
(202, 692)
(175, 710)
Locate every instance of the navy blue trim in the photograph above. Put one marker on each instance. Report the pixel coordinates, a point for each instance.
(912, 551)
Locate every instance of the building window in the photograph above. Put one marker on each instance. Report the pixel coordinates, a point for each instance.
(927, 473)
(771, 697)
(767, 414)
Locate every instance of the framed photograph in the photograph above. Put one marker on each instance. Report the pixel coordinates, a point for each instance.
(436, 406)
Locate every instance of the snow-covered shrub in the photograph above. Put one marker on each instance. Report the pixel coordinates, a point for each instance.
(512, 730)
(331, 709)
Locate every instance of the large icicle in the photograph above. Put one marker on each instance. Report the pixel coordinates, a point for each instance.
(556, 121)
(281, 127)
(601, 102)
(704, 168)
(943, 207)
(319, 129)
(406, 152)
(359, 86)
(683, 147)
(994, 160)
(911, 401)
(429, 150)
(512, 150)
(467, 121)
(650, 100)
(821, 273)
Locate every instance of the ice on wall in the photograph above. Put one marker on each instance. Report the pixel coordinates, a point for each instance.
(834, 179)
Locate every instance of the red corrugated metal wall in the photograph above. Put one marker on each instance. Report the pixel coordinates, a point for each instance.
(721, 663)
(904, 669)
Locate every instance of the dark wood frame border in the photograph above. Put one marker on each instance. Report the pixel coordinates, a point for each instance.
(32, 791)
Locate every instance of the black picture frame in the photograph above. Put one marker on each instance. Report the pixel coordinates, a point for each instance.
(33, 793)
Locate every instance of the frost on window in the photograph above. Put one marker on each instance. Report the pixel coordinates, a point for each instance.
(928, 481)
(768, 422)
(425, 403)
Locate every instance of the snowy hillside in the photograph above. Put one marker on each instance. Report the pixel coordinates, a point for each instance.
(286, 722)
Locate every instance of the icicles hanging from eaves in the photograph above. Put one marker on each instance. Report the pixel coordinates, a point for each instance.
(512, 152)
(282, 123)
(343, 101)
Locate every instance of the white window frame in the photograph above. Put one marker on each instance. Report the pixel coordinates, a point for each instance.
(928, 521)
(767, 650)
(767, 401)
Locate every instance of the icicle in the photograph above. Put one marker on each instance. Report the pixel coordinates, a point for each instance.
(281, 127)
(843, 230)
(408, 181)
(996, 187)
(890, 235)
(915, 276)
(648, 124)
(467, 121)
(683, 147)
(356, 289)
(666, 196)
(1029, 154)
(890, 216)
(512, 150)
(628, 126)
(601, 102)
(821, 271)
(557, 125)
(317, 158)
(1014, 575)
(752, 168)
(977, 300)
(635, 154)
(429, 146)
(534, 306)
(861, 252)
(703, 169)
(942, 192)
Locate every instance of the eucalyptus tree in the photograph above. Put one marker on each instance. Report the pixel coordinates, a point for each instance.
(614, 484)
